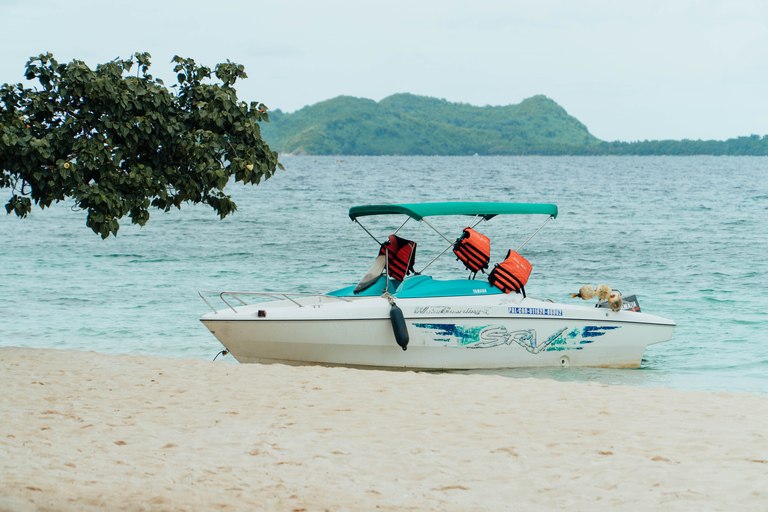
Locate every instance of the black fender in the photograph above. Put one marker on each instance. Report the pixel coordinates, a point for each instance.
(398, 326)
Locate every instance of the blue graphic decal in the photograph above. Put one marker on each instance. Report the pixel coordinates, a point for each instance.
(464, 335)
(485, 336)
(557, 342)
(488, 336)
(593, 331)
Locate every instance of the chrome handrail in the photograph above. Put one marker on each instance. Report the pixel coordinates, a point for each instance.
(273, 295)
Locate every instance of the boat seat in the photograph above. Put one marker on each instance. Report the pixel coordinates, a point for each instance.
(423, 286)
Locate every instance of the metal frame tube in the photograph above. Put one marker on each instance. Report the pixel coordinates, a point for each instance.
(534, 233)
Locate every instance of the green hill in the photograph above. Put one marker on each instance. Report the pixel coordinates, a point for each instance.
(405, 124)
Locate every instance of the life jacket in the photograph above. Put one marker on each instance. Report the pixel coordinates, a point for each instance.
(400, 255)
(473, 249)
(511, 274)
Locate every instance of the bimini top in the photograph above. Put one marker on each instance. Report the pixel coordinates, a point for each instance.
(417, 211)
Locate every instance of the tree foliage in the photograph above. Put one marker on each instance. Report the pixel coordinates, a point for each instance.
(754, 145)
(120, 144)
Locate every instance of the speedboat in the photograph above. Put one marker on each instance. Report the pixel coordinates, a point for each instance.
(398, 317)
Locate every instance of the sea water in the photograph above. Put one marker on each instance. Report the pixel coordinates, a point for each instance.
(687, 235)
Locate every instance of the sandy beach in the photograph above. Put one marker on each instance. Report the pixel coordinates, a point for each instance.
(88, 431)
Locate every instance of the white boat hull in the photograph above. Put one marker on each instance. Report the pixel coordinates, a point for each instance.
(477, 332)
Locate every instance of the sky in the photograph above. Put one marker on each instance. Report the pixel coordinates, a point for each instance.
(629, 70)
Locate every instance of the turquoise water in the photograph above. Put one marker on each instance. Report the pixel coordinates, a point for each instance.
(687, 235)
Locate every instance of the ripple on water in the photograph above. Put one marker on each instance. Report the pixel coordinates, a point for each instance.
(686, 235)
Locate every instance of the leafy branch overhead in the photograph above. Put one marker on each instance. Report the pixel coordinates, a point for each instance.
(120, 144)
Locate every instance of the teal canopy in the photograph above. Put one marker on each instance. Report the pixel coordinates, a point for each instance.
(417, 211)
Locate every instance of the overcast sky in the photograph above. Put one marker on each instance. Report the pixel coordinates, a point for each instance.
(629, 70)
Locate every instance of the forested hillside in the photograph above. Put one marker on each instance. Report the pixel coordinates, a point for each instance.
(406, 124)
(754, 145)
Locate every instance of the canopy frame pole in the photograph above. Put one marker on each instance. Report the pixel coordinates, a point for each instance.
(413, 253)
(369, 233)
(534, 233)
(436, 231)
(401, 225)
(482, 218)
(435, 259)
(386, 270)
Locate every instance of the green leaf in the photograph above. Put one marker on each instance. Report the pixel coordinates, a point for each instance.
(117, 144)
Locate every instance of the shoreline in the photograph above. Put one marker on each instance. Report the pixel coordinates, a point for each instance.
(90, 431)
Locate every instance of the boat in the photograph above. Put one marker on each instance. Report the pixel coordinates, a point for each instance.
(399, 318)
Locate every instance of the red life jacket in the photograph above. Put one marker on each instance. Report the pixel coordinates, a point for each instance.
(473, 249)
(400, 255)
(511, 274)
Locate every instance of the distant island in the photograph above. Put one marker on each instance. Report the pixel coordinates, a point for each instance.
(406, 124)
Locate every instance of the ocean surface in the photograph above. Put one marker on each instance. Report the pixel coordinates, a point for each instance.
(687, 235)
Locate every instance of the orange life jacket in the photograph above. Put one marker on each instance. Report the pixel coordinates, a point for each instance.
(511, 274)
(400, 255)
(473, 249)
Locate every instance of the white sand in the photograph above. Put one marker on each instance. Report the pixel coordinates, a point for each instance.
(87, 431)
